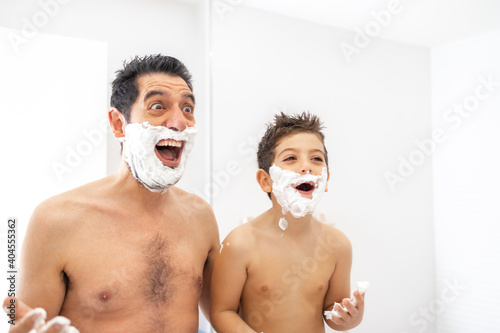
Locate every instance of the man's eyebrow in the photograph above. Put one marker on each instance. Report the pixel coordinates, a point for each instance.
(189, 95)
(154, 93)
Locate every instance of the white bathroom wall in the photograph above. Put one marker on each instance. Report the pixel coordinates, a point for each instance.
(466, 104)
(374, 109)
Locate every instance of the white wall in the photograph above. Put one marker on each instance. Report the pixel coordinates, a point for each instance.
(374, 109)
(466, 182)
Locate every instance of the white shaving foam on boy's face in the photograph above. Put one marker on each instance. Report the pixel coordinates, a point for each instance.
(289, 198)
(145, 166)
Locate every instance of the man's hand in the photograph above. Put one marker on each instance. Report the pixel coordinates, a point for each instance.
(350, 314)
(27, 319)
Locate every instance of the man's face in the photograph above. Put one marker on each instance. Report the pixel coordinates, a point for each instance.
(301, 153)
(167, 101)
(161, 131)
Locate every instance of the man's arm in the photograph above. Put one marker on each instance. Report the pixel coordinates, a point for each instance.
(229, 277)
(339, 288)
(213, 234)
(41, 280)
(27, 319)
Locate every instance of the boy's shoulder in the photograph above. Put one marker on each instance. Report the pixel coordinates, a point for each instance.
(333, 235)
(241, 236)
(247, 235)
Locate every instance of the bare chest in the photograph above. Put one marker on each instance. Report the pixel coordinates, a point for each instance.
(143, 278)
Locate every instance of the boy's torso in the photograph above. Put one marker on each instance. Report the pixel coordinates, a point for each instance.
(288, 278)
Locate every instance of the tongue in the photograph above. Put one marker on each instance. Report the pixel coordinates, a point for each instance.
(167, 153)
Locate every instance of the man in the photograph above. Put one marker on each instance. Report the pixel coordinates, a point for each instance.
(129, 252)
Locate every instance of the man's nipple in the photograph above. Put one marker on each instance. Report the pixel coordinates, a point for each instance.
(104, 296)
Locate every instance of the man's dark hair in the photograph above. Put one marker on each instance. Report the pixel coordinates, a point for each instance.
(284, 125)
(124, 88)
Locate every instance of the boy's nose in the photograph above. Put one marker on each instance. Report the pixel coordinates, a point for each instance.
(176, 120)
(305, 168)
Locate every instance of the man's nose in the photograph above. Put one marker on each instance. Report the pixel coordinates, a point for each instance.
(175, 120)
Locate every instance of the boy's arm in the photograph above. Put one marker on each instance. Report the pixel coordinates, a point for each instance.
(340, 288)
(41, 279)
(228, 278)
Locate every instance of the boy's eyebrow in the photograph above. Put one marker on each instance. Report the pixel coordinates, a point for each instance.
(286, 149)
(294, 150)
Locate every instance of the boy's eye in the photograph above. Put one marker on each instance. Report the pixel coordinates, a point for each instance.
(156, 106)
(319, 159)
(289, 158)
(188, 109)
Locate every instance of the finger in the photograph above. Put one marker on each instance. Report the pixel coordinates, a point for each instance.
(32, 320)
(360, 300)
(348, 304)
(343, 313)
(12, 305)
(336, 320)
(57, 325)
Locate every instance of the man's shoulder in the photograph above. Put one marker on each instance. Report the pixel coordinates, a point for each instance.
(62, 208)
(194, 201)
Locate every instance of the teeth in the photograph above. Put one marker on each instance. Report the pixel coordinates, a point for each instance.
(172, 143)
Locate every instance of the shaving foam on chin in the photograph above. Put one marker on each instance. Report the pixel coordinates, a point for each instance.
(139, 151)
(289, 198)
(362, 287)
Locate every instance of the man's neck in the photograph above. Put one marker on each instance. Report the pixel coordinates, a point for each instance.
(125, 185)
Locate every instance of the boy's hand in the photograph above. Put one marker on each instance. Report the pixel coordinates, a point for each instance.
(350, 315)
(28, 320)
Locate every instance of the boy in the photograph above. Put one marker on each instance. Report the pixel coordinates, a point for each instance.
(281, 271)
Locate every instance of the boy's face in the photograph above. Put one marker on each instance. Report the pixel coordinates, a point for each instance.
(301, 153)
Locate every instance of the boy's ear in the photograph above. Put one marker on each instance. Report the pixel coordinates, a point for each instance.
(117, 123)
(327, 179)
(264, 180)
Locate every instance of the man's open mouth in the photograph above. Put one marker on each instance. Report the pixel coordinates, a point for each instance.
(305, 188)
(169, 152)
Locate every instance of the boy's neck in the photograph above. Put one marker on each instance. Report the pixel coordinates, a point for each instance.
(295, 225)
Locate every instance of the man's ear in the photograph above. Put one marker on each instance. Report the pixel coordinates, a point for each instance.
(117, 123)
(264, 180)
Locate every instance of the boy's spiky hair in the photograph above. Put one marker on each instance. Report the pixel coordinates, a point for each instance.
(282, 126)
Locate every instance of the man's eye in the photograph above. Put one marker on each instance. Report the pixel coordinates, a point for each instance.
(188, 109)
(156, 106)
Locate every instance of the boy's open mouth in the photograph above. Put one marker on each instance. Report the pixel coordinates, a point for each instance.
(306, 188)
(169, 152)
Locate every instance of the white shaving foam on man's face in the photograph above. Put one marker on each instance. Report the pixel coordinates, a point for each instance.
(146, 167)
(289, 198)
